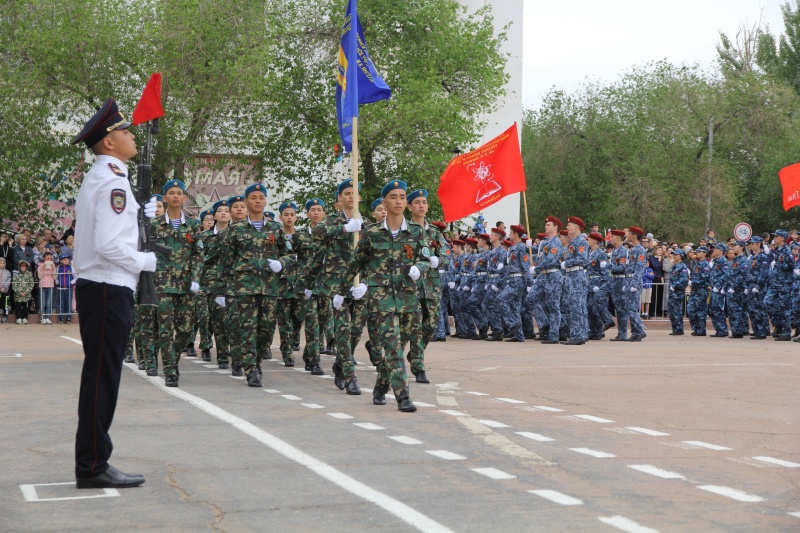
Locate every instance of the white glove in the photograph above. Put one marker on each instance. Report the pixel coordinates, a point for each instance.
(354, 224)
(529, 243)
(772, 265)
(603, 264)
(466, 289)
(797, 271)
(672, 289)
(714, 289)
(755, 290)
(358, 292)
(563, 265)
(194, 287)
(690, 283)
(473, 289)
(150, 208)
(452, 284)
(529, 289)
(500, 266)
(434, 261)
(338, 300)
(149, 262)
(220, 301)
(275, 266)
(765, 248)
(413, 272)
(486, 287)
(532, 270)
(308, 293)
(747, 291)
(595, 289)
(633, 289)
(495, 289)
(731, 291)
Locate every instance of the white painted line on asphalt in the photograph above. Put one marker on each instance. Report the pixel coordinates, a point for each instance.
(477, 393)
(732, 493)
(706, 445)
(622, 431)
(509, 400)
(556, 497)
(291, 397)
(534, 436)
(423, 404)
(402, 439)
(11, 355)
(493, 424)
(779, 462)
(30, 494)
(76, 341)
(368, 425)
(650, 469)
(593, 453)
(451, 412)
(625, 524)
(450, 385)
(795, 513)
(493, 473)
(196, 360)
(223, 372)
(404, 512)
(340, 416)
(272, 391)
(545, 408)
(298, 369)
(597, 419)
(313, 406)
(237, 377)
(681, 445)
(211, 366)
(651, 432)
(326, 376)
(444, 454)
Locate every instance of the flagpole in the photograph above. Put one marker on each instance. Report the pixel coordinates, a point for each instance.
(354, 157)
(527, 224)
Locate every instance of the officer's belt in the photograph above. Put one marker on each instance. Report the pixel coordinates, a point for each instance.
(573, 269)
(515, 275)
(443, 272)
(481, 273)
(621, 275)
(492, 276)
(595, 277)
(548, 271)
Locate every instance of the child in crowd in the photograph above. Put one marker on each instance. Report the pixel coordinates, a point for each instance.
(22, 284)
(65, 278)
(5, 285)
(47, 281)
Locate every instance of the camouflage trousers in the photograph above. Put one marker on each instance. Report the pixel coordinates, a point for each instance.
(509, 304)
(253, 312)
(232, 326)
(576, 290)
(464, 323)
(475, 304)
(697, 308)
(443, 324)
(145, 320)
(266, 334)
(325, 311)
(527, 314)
(131, 336)
(736, 310)
(201, 322)
(422, 332)
(716, 310)
(311, 320)
(490, 309)
(757, 313)
(362, 317)
(218, 324)
(597, 306)
(675, 310)
(174, 329)
(550, 285)
(396, 330)
(290, 320)
(778, 304)
(341, 335)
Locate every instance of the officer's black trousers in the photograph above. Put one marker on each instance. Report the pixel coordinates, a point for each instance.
(106, 314)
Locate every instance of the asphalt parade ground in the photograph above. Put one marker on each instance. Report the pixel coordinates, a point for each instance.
(669, 434)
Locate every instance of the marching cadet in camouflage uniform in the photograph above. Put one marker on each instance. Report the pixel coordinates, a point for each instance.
(253, 253)
(638, 262)
(735, 294)
(290, 307)
(428, 285)
(213, 283)
(334, 239)
(177, 280)
(469, 262)
(454, 284)
(599, 279)
(315, 211)
(550, 279)
(719, 278)
(238, 209)
(145, 318)
(478, 292)
(678, 281)
(394, 255)
(620, 274)
(757, 281)
(201, 310)
(576, 282)
(443, 324)
(533, 298)
(777, 301)
(517, 279)
(697, 307)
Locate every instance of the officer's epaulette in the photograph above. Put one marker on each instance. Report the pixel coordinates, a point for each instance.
(116, 170)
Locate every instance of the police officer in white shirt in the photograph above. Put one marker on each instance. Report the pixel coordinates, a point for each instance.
(108, 263)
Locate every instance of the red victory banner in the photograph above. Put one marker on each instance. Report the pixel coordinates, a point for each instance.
(790, 181)
(149, 106)
(480, 178)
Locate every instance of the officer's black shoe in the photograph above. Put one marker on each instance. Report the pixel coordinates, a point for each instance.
(421, 377)
(758, 337)
(776, 331)
(352, 387)
(514, 339)
(378, 398)
(152, 372)
(110, 479)
(718, 334)
(483, 332)
(496, 337)
(544, 333)
(530, 336)
(223, 365)
(475, 337)
(439, 339)
(330, 349)
(338, 376)
(573, 342)
(171, 381)
(308, 366)
(635, 338)
(796, 332)
(190, 351)
(267, 353)
(142, 366)
(608, 326)
(296, 347)
(676, 333)
(548, 341)
(596, 337)
(617, 339)
(254, 378)
(129, 357)
(289, 362)
(783, 338)
(406, 405)
(206, 355)
(316, 370)
(237, 370)
(563, 334)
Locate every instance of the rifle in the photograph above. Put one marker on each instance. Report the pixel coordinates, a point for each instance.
(146, 290)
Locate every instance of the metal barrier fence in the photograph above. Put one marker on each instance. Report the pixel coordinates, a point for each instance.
(53, 295)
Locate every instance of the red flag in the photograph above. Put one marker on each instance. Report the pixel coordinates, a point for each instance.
(149, 106)
(790, 181)
(480, 178)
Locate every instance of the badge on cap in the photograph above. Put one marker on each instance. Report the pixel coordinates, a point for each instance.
(118, 200)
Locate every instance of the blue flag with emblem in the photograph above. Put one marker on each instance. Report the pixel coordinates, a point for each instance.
(357, 81)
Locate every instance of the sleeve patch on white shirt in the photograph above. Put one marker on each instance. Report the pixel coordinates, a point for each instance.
(118, 200)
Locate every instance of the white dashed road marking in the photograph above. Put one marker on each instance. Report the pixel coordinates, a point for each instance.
(545, 408)
(650, 469)
(477, 393)
(402, 439)
(444, 454)
(593, 453)
(651, 432)
(509, 400)
(795, 513)
(732, 493)
(272, 391)
(597, 419)
(313, 406)
(291, 397)
(493, 473)
(779, 462)
(626, 524)
(368, 425)
(211, 366)
(452, 412)
(493, 424)
(534, 436)
(340, 416)
(556, 497)
(706, 445)
(423, 404)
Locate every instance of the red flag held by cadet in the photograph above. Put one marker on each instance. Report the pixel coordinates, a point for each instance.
(478, 179)
(790, 181)
(149, 106)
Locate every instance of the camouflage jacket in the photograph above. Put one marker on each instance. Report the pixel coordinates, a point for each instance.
(244, 259)
(22, 285)
(175, 273)
(333, 254)
(212, 283)
(293, 279)
(386, 261)
(434, 244)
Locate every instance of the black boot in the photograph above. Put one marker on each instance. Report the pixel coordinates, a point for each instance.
(338, 376)
(406, 405)
(190, 351)
(129, 357)
(296, 347)
(237, 369)
(330, 349)
(267, 353)
(352, 387)
(483, 333)
(316, 370)
(206, 355)
(421, 377)
(253, 378)
(563, 334)
(378, 398)
(142, 365)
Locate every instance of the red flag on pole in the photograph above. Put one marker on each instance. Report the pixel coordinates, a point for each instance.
(149, 106)
(790, 181)
(480, 178)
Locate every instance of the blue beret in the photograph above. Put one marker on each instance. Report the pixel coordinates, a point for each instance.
(203, 214)
(284, 205)
(253, 188)
(235, 198)
(376, 203)
(217, 205)
(678, 252)
(701, 249)
(413, 195)
(755, 240)
(158, 197)
(391, 186)
(173, 183)
(270, 214)
(346, 184)
(314, 201)
(782, 233)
